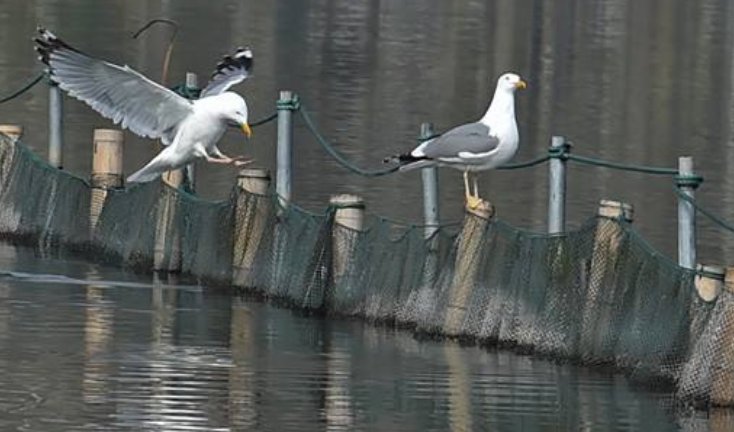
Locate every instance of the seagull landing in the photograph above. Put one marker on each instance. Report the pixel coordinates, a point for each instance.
(486, 144)
(189, 129)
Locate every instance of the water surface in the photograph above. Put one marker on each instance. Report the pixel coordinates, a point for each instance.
(85, 347)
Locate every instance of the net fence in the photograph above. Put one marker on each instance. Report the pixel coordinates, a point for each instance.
(599, 295)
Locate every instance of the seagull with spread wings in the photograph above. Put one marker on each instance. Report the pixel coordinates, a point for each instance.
(482, 145)
(189, 129)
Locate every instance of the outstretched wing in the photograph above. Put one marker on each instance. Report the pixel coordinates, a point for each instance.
(117, 92)
(230, 71)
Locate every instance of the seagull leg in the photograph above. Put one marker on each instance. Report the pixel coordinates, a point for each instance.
(467, 191)
(222, 160)
(472, 201)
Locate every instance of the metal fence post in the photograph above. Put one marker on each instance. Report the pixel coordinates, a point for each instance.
(285, 107)
(55, 126)
(429, 176)
(192, 83)
(557, 188)
(686, 181)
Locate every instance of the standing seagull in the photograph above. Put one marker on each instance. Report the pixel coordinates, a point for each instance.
(189, 129)
(478, 146)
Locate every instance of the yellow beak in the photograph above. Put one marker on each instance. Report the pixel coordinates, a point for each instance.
(521, 85)
(246, 129)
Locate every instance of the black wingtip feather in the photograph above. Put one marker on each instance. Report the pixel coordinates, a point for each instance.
(47, 43)
(404, 159)
(242, 59)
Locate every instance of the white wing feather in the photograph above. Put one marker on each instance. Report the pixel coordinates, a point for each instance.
(117, 92)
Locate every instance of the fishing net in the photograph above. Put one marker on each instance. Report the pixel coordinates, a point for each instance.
(598, 295)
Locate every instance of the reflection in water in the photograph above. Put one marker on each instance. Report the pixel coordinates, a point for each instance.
(459, 388)
(338, 400)
(242, 391)
(135, 356)
(98, 332)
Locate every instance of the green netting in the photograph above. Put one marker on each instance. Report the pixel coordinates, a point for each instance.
(599, 295)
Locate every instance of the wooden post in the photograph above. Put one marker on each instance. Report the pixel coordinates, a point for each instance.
(251, 219)
(349, 217)
(167, 247)
(55, 126)
(722, 371)
(607, 240)
(106, 170)
(15, 132)
(7, 153)
(466, 266)
(710, 283)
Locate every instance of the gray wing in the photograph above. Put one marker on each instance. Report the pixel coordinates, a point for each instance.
(118, 93)
(230, 71)
(471, 137)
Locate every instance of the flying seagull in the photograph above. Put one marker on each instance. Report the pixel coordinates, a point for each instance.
(478, 146)
(189, 129)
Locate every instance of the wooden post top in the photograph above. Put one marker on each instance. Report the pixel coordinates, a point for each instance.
(484, 210)
(349, 211)
(12, 130)
(347, 201)
(108, 135)
(710, 282)
(615, 210)
(254, 180)
(254, 173)
(729, 279)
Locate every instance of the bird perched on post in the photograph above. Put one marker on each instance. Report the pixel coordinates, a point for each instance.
(485, 144)
(188, 129)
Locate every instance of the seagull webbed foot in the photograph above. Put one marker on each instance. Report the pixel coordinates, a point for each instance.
(239, 162)
(473, 202)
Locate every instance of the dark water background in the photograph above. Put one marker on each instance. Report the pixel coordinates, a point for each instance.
(642, 82)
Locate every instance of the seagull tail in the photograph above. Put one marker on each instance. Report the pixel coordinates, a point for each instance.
(149, 172)
(408, 162)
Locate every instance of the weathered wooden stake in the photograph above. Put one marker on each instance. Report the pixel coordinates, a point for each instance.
(7, 153)
(106, 170)
(557, 189)
(250, 223)
(15, 132)
(285, 146)
(466, 267)
(607, 240)
(686, 215)
(709, 284)
(722, 371)
(349, 217)
(167, 247)
(55, 127)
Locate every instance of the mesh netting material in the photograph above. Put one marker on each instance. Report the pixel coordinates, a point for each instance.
(598, 295)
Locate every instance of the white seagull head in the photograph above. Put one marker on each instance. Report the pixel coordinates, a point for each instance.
(233, 108)
(510, 82)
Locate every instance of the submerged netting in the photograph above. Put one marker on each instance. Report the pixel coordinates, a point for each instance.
(598, 295)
